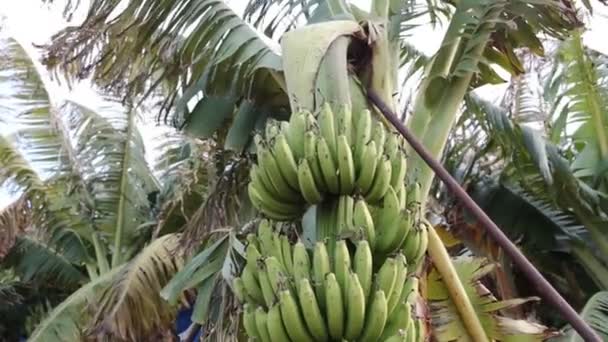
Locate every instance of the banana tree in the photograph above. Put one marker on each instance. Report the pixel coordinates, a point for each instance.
(547, 175)
(87, 215)
(223, 78)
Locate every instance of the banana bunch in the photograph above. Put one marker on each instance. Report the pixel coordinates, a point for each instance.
(290, 294)
(385, 227)
(303, 160)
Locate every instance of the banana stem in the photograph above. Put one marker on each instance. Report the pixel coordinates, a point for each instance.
(100, 255)
(443, 264)
(91, 271)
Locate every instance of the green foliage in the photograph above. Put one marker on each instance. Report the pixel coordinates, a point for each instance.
(595, 313)
(130, 306)
(199, 56)
(446, 322)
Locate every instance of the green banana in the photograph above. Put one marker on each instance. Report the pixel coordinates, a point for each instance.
(344, 215)
(275, 326)
(387, 224)
(375, 319)
(411, 286)
(269, 195)
(386, 277)
(402, 194)
(382, 181)
(293, 319)
(251, 285)
(341, 264)
(311, 311)
(252, 255)
(286, 161)
(327, 219)
(411, 245)
(355, 307)
(307, 183)
(321, 267)
(249, 322)
(272, 129)
(349, 210)
(401, 231)
(344, 123)
(412, 298)
(367, 174)
(276, 274)
(334, 307)
(295, 133)
(328, 166)
(265, 232)
(311, 122)
(399, 337)
(398, 321)
(270, 207)
(420, 329)
(363, 266)
(411, 331)
(301, 263)
(399, 169)
(413, 199)
(311, 154)
(391, 144)
(261, 318)
(259, 175)
(239, 289)
(252, 240)
(395, 295)
(283, 127)
(265, 286)
(362, 219)
(422, 245)
(277, 250)
(327, 129)
(363, 135)
(269, 164)
(286, 251)
(379, 136)
(340, 215)
(346, 166)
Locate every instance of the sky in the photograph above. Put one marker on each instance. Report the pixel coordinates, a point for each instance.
(32, 22)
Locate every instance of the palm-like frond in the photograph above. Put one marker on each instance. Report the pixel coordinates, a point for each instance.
(64, 322)
(585, 90)
(194, 52)
(112, 158)
(446, 322)
(14, 220)
(43, 259)
(187, 172)
(16, 169)
(226, 203)
(130, 308)
(210, 274)
(595, 313)
(53, 215)
(28, 109)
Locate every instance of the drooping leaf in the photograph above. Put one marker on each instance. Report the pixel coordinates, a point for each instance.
(130, 307)
(446, 322)
(186, 50)
(65, 322)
